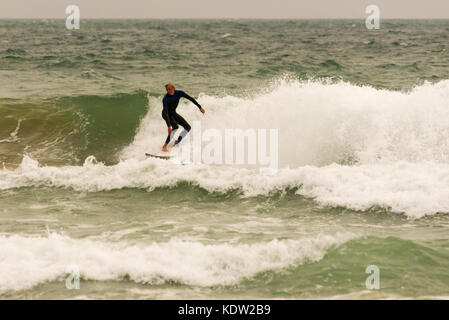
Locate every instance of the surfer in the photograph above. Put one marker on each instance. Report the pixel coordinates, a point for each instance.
(173, 119)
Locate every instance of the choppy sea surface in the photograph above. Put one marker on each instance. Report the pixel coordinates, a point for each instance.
(363, 178)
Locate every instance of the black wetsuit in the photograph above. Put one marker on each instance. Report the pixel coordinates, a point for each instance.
(171, 117)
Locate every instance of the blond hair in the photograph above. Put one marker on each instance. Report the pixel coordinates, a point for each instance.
(170, 84)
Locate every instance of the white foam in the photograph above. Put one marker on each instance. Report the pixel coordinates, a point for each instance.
(416, 189)
(28, 261)
(321, 123)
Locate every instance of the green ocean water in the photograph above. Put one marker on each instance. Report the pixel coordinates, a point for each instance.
(363, 177)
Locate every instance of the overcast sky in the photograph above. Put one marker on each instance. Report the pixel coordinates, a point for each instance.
(305, 9)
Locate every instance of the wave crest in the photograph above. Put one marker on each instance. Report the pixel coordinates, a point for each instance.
(28, 261)
(320, 122)
(410, 188)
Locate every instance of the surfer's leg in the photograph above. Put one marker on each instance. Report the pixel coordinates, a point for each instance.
(184, 124)
(170, 136)
(174, 127)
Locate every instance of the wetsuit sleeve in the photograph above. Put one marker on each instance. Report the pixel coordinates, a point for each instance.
(165, 113)
(185, 95)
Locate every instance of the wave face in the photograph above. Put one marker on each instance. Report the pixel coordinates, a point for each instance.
(340, 144)
(66, 130)
(319, 124)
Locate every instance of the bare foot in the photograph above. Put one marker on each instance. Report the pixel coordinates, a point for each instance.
(164, 148)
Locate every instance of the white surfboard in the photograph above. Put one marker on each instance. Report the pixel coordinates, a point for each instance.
(173, 157)
(173, 153)
(160, 155)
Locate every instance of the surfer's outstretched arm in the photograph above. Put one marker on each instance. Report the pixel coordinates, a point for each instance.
(185, 95)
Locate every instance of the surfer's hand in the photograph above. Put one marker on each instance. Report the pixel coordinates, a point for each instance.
(169, 130)
(202, 110)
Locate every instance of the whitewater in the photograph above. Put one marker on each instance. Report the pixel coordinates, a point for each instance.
(47, 258)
